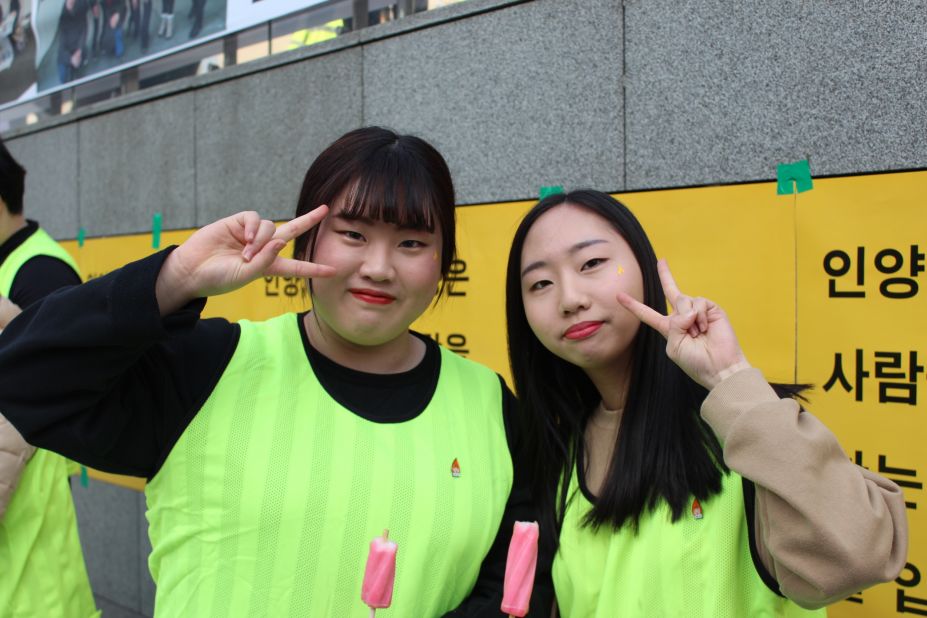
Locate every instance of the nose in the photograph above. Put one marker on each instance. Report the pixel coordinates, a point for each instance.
(377, 264)
(573, 297)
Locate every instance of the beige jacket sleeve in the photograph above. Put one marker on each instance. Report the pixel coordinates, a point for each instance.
(825, 527)
(14, 454)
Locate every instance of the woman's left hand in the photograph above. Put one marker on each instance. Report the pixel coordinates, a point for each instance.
(699, 336)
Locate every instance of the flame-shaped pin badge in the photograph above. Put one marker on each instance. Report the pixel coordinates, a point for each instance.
(696, 509)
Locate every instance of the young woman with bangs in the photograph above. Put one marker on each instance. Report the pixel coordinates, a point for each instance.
(275, 451)
(673, 479)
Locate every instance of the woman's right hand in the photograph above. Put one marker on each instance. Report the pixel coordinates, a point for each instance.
(699, 336)
(229, 254)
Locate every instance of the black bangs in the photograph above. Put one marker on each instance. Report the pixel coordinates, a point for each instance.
(393, 189)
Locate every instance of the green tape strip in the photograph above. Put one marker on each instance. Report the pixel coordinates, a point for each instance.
(793, 176)
(81, 235)
(84, 479)
(156, 231)
(552, 190)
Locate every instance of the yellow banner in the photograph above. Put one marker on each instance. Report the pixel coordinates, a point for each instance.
(861, 245)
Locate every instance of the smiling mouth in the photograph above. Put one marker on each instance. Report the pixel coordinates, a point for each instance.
(582, 330)
(372, 296)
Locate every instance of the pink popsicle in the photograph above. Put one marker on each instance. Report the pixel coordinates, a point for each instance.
(377, 591)
(519, 568)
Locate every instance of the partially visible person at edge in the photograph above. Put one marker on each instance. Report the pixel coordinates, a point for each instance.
(674, 479)
(275, 451)
(41, 563)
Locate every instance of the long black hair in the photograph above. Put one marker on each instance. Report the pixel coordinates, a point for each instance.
(663, 451)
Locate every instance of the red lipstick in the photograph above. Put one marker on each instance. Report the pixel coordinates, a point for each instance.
(374, 297)
(582, 330)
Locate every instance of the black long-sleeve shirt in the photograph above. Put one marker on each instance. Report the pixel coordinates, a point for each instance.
(96, 374)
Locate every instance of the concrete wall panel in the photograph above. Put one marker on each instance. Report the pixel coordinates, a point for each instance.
(257, 136)
(146, 584)
(50, 159)
(517, 98)
(720, 92)
(702, 106)
(114, 610)
(108, 520)
(864, 107)
(136, 162)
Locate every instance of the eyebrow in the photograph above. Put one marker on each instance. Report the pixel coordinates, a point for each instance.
(577, 247)
(372, 222)
(361, 219)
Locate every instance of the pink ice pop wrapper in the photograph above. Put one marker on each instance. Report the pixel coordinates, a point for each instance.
(377, 591)
(519, 568)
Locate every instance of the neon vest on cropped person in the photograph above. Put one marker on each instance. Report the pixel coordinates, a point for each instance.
(38, 243)
(42, 570)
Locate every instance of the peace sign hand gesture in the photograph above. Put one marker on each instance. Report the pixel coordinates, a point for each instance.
(230, 253)
(699, 336)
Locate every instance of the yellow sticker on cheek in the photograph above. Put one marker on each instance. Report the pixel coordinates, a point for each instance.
(620, 270)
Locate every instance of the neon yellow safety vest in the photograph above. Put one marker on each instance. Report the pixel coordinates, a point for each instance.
(693, 567)
(267, 503)
(41, 563)
(42, 570)
(38, 243)
(311, 36)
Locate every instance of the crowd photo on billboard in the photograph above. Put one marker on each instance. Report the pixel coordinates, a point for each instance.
(17, 50)
(48, 44)
(79, 38)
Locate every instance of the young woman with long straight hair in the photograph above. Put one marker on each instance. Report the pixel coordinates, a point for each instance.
(673, 479)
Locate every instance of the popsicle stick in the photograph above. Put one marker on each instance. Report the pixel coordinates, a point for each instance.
(372, 612)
